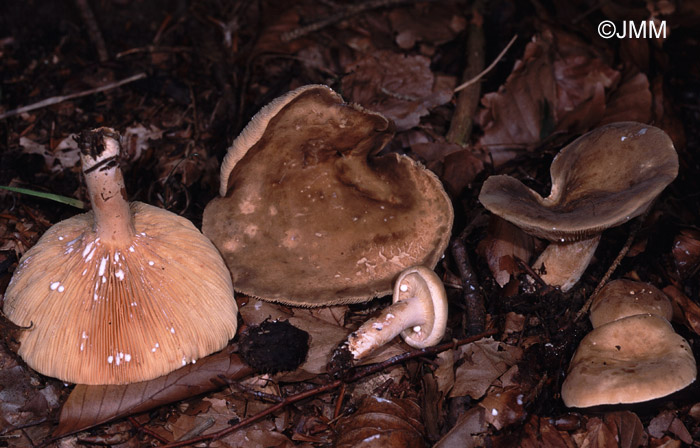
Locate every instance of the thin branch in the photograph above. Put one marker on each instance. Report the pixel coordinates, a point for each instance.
(59, 99)
(487, 69)
(93, 29)
(346, 12)
(616, 262)
(356, 374)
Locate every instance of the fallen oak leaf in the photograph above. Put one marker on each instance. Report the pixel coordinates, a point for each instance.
(89, 406)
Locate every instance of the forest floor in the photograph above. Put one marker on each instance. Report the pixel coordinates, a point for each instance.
(180, 79)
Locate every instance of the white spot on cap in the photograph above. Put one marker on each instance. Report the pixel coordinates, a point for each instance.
(60, 238)
(377, 326)
(119, 274)
(84, 336)
(110, 358)
(184, 361)
(82, 346)
(61, 288)
(403, 288)
(103, 265)
(642, 131)
(172, 330)
(416, 329)
(150, 263)
(54, 286)
(131, 248)
(116, 256)
(127, 357)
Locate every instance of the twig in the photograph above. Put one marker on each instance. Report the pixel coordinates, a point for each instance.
(59, 99)
(93, 29)
(473, 300)
(357, 373)
(468, 99)
(616, 262)
(146, 430)
(348, 11)
(487, 69)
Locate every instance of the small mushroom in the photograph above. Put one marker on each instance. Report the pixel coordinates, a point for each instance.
(630, 360)
(602, 179)
(126, 292)
(622, 298)
(418, 313)
(309, 215)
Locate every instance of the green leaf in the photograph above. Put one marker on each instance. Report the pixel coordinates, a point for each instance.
(53, 197)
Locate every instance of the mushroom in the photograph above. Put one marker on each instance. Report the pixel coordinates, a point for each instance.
(418, 313)
(622, 298)
(309, 215)
(600, 180)
(126, 292)
(630, 360)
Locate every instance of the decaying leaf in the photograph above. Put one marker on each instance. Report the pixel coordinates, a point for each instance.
(88, 406)
(382, 423)
(484, 362)
(684, 310)
(686, 252)
(400, 87)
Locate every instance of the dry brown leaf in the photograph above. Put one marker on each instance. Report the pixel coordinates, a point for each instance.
(686, 252)
(558, 84)
(88, 406)
(445, 372)
(403, 88)
(382, 423)
(685, 310)
(597, 434)
(417, 24)
(630, 429)
(466, 433)
(631, 101)
(504, 406)
(539, 432)
(503, 243)
(484, 362)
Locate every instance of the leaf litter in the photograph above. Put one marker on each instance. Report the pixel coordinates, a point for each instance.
(211, 66)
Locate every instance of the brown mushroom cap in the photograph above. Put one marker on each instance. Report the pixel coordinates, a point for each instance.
(311, 216)
(630, 360)
(622, 298)
(600, 180)
(112, 307)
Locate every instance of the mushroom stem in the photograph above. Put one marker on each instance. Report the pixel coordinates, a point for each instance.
(99, 154)
(564, 263)
(386, 326)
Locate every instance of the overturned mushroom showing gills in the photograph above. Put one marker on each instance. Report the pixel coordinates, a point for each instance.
(123, 293)
(622, 298)
(630, 360)
(418, 313)
(602, 179)
(311, 216)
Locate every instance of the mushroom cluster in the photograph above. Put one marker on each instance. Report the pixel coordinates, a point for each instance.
(126, 292)
(633, 354)
(602, 179)
(310, 215)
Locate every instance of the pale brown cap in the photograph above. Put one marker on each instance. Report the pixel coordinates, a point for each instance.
(105, 310)
(622, 298)
(630, 360)
(600, 180)
(311, 216)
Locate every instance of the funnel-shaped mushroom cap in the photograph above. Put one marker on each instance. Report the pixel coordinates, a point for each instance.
(634, 359)
(424, 284)
(311, 217)
(622, 298)
(113, 299)
(600, 180)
